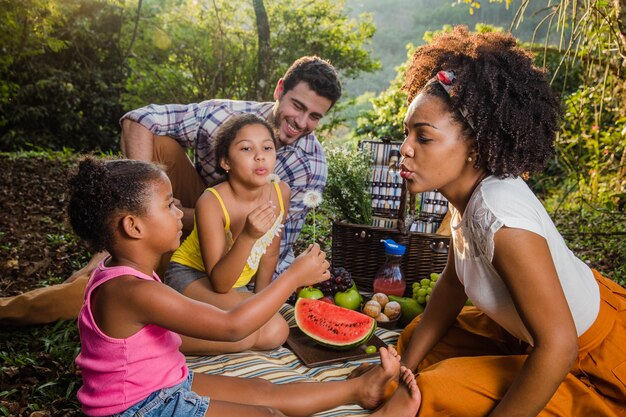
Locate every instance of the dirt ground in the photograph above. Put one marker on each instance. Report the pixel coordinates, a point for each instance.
(37, 246)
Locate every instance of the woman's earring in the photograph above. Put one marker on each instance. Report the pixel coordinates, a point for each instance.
(470, 159)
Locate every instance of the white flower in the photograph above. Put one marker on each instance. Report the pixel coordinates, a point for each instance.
(272, 178)
(312, 198)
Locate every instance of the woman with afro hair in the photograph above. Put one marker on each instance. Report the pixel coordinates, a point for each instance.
(547, 335)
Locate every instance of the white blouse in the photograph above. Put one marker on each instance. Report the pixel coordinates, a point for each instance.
(510, 202)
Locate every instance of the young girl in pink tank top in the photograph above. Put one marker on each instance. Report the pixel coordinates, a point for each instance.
(236, 234)
(130, 322)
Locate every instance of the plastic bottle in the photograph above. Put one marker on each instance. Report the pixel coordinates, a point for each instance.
(390, 278)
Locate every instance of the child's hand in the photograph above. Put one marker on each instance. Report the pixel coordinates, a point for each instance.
(259, 220)
(311, 266)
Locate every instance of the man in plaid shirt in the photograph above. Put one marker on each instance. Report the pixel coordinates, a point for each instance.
(309, 88)
(161, 133)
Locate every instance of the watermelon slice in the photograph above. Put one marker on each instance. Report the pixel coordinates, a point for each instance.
(333, 326)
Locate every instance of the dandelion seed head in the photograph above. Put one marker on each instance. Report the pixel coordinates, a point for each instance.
(312, 198)
(273, 178)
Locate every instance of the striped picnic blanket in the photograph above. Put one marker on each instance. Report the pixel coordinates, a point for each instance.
(281, 365)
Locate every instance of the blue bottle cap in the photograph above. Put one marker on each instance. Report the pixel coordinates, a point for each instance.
(393, 248)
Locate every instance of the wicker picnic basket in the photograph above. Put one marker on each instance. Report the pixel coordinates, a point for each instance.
(357, 247)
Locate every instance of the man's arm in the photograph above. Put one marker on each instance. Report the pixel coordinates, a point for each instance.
(178, 121)
(137, 142)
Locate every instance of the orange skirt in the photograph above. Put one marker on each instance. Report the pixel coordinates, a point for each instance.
(469, 371)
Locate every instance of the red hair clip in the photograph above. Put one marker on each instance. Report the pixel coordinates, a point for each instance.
(446, 80)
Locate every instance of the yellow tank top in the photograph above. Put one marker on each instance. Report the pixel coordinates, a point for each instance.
(189, 252)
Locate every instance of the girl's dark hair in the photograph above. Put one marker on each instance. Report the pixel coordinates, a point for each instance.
(228, 131)
(101, 191)
(513, 112)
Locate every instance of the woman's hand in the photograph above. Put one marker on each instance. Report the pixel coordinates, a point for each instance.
(259, 220)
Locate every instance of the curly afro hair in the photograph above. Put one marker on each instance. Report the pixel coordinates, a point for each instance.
(102, 191)
(514, 113)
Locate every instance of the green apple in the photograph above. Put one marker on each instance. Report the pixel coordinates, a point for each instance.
(354, 288)
(348, 299)
(310, 292)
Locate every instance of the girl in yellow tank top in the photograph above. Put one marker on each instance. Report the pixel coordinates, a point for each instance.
(237, 230)
(189, 252)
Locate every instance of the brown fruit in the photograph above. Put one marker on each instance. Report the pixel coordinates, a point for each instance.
(372, 308)
(392, 309)
(381, 298)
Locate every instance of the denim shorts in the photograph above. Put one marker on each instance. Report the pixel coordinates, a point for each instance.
(179, 276)
(176, 401)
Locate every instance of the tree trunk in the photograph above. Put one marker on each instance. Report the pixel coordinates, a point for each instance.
(135, 27)
(620, 9)
(262, 84)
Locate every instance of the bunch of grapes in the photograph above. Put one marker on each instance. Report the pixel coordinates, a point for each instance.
(422, 289)
(340, 280)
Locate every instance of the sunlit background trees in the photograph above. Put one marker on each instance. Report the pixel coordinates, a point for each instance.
(71, 68)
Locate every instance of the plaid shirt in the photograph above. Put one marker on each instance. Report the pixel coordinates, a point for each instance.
(301, 165)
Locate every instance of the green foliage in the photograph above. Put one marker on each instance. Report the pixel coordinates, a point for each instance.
(405, 21)
(475, 5)
(591, 152)
(27, 352)
(187, 53)
(60, 85)
(385, 119)
(302, 27)
(597, 237)
(323, 224)
(348, 172)
(69, 68)
(590, 169)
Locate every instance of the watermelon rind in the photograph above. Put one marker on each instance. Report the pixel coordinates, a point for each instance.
(333, 326)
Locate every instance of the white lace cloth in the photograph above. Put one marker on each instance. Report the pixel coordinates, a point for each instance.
(261, 245)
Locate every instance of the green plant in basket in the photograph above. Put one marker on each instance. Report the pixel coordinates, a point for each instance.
(346, 187)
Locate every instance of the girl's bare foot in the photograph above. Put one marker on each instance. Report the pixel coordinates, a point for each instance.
(375, 380)
(407, 399)
(360, 370)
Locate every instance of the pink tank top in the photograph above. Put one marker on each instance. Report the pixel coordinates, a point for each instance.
(118, 373)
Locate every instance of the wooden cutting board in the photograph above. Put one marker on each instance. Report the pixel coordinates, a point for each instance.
(313, 354)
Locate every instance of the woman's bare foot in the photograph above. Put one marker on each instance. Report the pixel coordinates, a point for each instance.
(407, 399)
(375, 380)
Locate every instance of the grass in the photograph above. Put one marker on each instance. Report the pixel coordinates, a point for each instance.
(43, 356)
